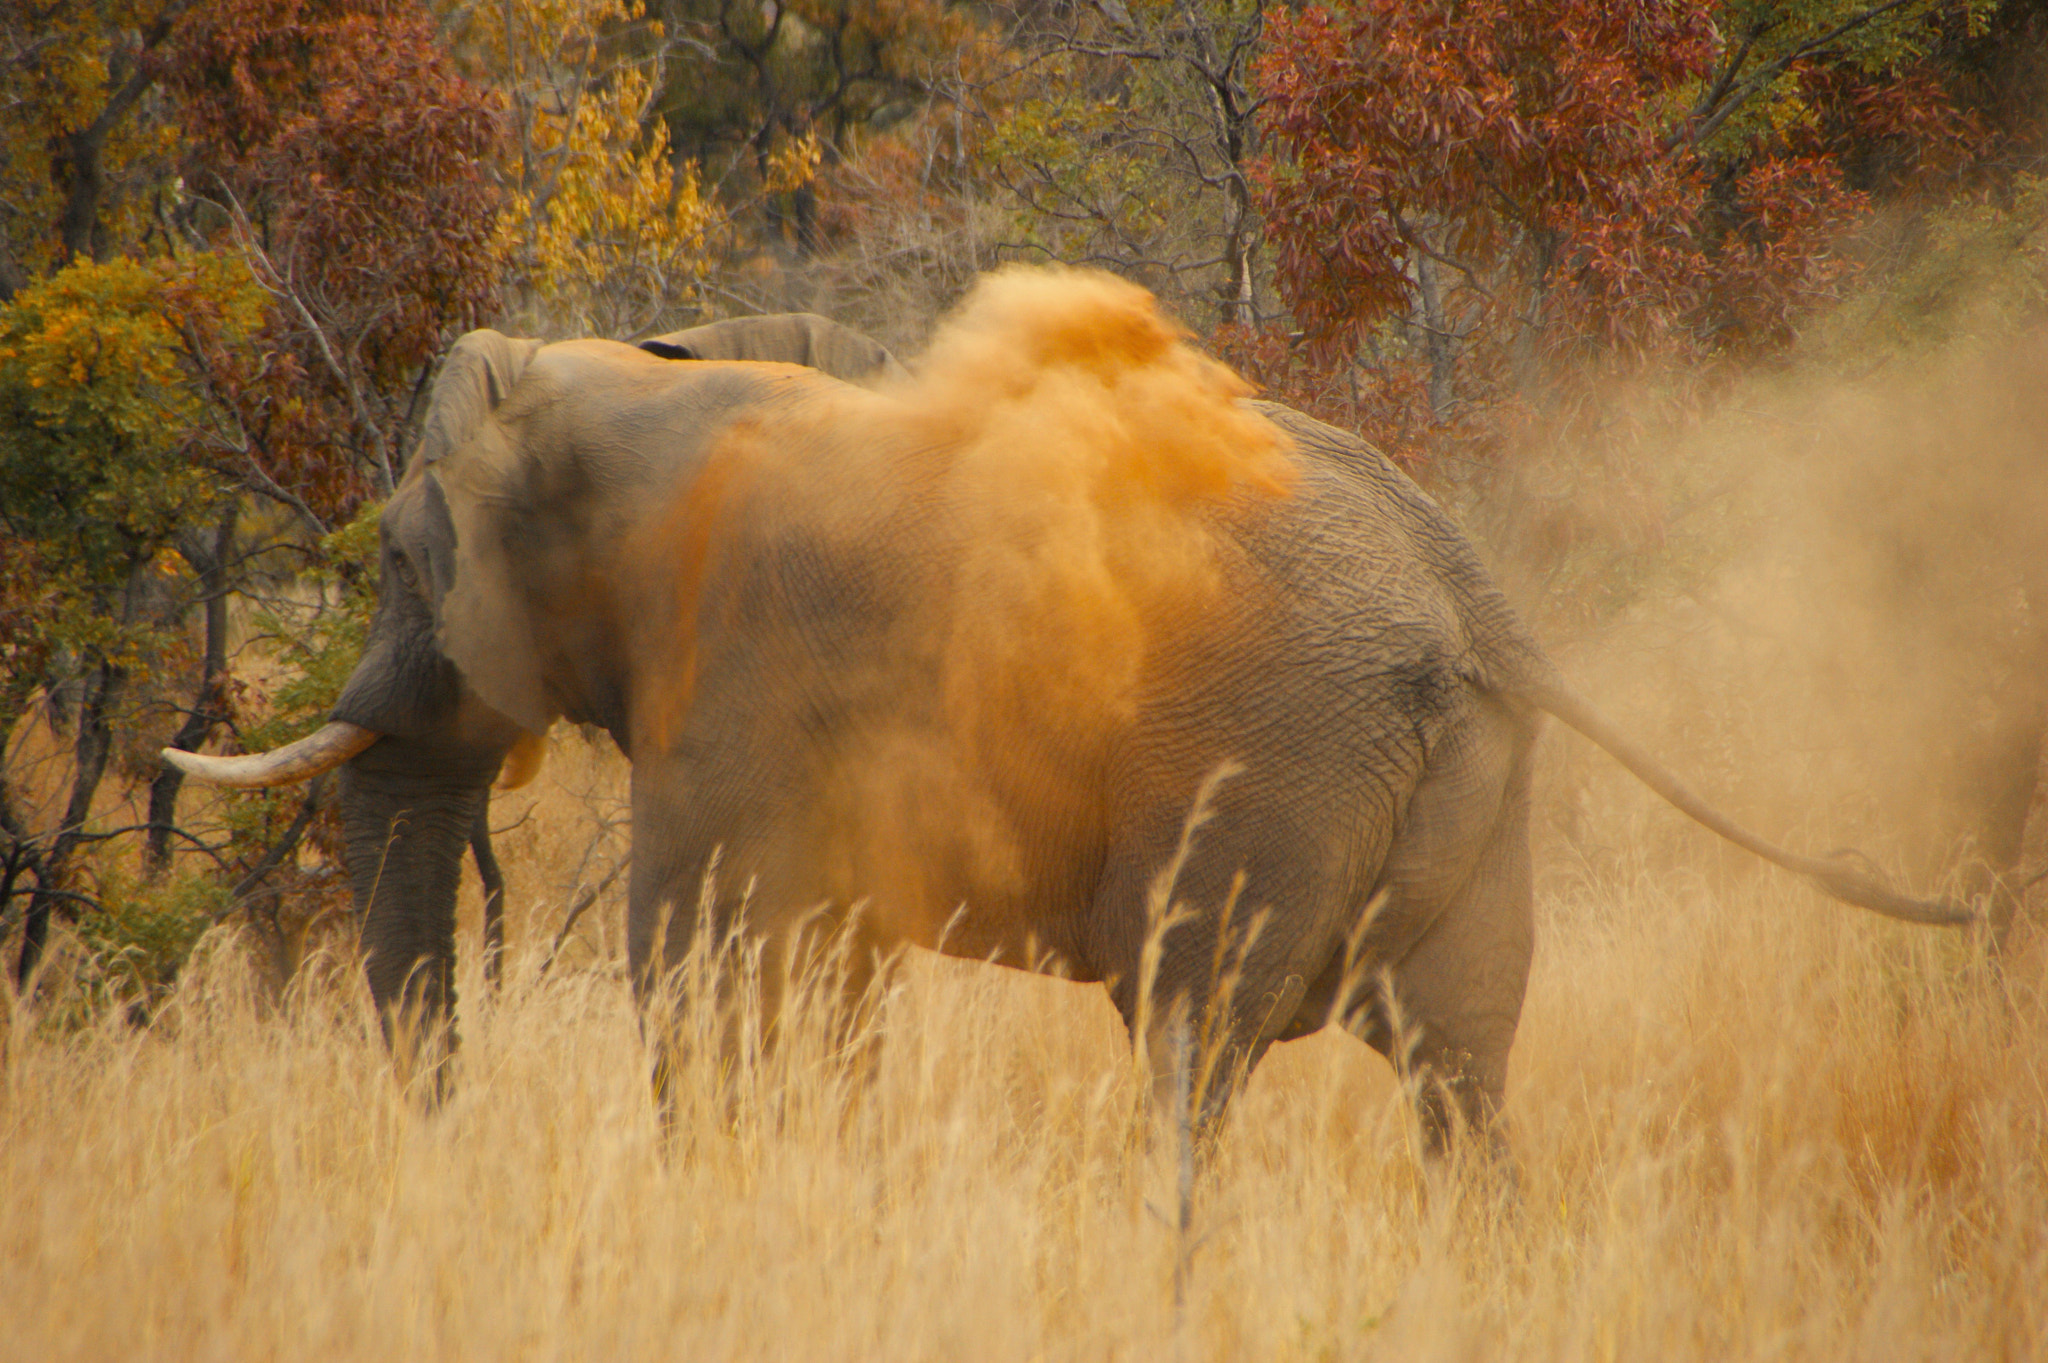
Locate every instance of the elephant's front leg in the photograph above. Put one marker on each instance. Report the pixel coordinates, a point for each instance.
(696, 969)
(656, 914)
(741, 1009)
(743, 966)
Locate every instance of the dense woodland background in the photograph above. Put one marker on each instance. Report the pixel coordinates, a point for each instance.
(1550, 254)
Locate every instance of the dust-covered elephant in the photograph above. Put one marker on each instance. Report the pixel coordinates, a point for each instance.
(970, 652)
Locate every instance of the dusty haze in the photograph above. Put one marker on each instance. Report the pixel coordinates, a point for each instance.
(1821, 597)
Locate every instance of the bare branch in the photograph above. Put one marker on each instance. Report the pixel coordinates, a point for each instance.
(284, 846)
(578, 909)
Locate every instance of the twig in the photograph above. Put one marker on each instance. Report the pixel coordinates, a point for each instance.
(211, 849)
(577, 910)
(284, 846)
(30, 891)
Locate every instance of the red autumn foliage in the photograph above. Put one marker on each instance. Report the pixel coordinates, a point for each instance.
(1467, 133)
(1471, 202)
(1894, 133)
(342, 133)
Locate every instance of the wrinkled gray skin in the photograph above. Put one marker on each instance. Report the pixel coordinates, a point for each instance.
(1379, 695)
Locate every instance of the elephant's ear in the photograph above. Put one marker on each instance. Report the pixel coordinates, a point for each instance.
(848, 354)
(475, 478)
(482, 369)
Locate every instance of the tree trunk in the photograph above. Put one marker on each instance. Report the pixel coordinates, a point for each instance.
(1436, 335)
(1237, 288)
(95, 740)
(21, 852)
(1234, 109)
(77, 168)
(208, 709)
(1241, 231)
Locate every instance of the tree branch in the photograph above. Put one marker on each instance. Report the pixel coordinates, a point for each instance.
(577, 910)
(274, 282)
(1700, 131)
(282, 848)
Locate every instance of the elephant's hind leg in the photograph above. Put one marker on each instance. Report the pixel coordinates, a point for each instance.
(1457, 917)
(1251, 898)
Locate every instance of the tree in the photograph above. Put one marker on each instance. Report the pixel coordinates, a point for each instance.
(1500, 194)
(606, 230)
(1129, 144)
(748, 86)
(239, 236)
(335, 146)
(82, 160)
(99, 479)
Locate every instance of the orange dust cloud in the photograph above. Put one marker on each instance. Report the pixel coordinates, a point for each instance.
(962, 581)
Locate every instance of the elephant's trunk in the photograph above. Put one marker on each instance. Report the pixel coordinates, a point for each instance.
(406, 834)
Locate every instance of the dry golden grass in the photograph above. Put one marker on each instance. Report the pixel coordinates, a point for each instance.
(1746, 1126)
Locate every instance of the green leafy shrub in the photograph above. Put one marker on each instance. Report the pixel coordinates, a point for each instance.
(137, 936)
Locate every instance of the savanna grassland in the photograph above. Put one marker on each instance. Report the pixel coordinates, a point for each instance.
(1745, 1122)
(1745, 1125)
(1722, 325)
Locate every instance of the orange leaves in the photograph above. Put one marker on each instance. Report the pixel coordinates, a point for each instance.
(1470, 134)
(352, 163)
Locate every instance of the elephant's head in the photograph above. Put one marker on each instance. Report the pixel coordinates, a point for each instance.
(449, 685)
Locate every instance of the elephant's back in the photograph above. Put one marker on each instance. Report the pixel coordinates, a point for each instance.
(1382, 553)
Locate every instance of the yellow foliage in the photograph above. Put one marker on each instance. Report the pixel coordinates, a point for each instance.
(794, 164)
(81, 54)
(604, 233)
(90, 322)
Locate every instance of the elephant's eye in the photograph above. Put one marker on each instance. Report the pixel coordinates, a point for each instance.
(408, 576)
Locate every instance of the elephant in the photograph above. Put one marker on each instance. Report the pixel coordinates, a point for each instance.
(1284, 723)
(802, 338)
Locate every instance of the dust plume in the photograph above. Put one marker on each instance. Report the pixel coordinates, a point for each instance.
(994, 551)
(1824, 596)
(1084, 442)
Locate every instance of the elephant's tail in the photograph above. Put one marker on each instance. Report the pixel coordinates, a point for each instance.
(1837, 877)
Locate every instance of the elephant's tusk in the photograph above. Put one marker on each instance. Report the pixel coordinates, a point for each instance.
(335, 743)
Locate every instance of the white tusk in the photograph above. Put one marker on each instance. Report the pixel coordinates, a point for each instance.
(335, 743)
